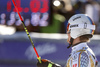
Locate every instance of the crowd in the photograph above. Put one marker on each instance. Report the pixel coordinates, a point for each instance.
(89, 7)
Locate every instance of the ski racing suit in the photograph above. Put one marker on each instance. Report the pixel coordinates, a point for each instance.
(81, 56)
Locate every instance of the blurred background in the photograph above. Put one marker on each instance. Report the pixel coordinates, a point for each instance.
(46, 20)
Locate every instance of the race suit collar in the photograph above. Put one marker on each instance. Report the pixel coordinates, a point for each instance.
(79, 46)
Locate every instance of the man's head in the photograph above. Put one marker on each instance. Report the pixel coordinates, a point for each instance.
(80, 26)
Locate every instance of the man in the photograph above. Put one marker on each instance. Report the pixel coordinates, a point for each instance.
(80, 29)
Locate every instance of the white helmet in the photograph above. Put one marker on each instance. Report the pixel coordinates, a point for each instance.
(80, 24)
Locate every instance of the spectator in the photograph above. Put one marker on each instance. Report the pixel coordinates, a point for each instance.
(92, 9)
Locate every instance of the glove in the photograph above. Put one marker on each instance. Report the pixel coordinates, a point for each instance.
(47, 63)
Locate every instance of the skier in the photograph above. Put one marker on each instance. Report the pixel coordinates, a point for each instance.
(80, 29)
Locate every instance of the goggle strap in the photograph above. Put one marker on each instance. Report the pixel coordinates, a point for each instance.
(84, 26)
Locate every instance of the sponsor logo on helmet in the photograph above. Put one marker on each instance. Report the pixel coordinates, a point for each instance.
(74, 26)
(76, 18)
(85, 25)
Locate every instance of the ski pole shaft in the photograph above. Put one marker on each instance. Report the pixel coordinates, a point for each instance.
(38, 57)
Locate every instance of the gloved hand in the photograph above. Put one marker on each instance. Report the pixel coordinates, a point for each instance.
(47, 63)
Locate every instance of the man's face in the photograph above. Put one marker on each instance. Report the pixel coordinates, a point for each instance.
(69, 37)
(68, 33)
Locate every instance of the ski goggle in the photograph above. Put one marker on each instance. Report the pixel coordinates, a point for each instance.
(83, 26)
